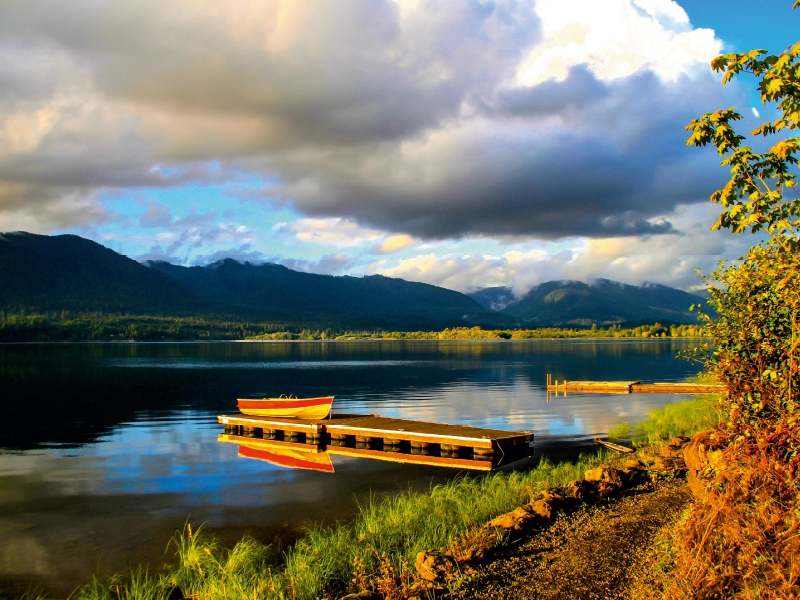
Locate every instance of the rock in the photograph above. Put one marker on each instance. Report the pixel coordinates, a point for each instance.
(605, 474)
(632, 463)
(582, 490)
(635, 476)
(433, 565)
(518, 519)
(544, 509)
(679, 441)
(608, 490)
(704, 450)
(669, 464)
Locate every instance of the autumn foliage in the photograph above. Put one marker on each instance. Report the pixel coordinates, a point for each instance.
(742, 536)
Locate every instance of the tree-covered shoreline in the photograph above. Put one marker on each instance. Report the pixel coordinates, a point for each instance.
(95, 327)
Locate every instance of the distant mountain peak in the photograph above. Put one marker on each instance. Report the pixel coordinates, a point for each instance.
(602, 302)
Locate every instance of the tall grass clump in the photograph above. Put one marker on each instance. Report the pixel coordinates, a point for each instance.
(679, 419)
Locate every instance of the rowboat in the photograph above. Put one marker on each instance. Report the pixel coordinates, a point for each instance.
(291, 406)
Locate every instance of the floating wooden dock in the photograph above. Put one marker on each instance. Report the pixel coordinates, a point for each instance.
(384, 438)
(631, 387)
(275, 452)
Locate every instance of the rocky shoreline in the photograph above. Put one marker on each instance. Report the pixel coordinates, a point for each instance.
(588, 539)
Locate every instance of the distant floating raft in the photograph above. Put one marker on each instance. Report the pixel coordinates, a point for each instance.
(613, 446)
(631, 387)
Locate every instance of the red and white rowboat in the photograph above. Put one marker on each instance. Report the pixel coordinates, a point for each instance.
(298, 408)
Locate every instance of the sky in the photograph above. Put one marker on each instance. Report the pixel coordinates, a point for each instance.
(463, 143)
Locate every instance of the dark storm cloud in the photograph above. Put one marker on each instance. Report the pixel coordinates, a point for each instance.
(405, 117)
(602, 159)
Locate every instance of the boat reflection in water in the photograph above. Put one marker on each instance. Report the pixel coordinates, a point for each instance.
(295, 455)
(284, 454)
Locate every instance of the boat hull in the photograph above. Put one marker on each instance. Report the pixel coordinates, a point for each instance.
(298, 408)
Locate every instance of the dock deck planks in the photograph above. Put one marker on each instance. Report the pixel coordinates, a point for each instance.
(386, 429)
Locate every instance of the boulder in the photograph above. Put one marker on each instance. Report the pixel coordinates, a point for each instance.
(635, 476)
(517, 520)
(670, 451)
(543, 509)
(581, 490)
(605, 474)
(632, 463)
(433, 565)
(704, 450)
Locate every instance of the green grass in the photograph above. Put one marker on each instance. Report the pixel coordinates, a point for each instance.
(679, 419)
(395, 528)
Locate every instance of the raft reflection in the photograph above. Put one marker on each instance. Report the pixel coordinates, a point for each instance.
(295, 455)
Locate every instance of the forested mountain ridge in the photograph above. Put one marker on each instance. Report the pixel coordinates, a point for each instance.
(277, 288)
(40, 273)
(68, 272)
(602, 301)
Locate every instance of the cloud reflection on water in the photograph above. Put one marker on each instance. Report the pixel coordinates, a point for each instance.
(123, 455)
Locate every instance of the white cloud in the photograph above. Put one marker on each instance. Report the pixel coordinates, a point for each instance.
(334, 231)
(616, 38)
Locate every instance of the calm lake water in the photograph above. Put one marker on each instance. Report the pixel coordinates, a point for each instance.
(107, 449)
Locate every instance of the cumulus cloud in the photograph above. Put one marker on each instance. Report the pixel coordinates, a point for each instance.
(333, 231)
(670, 259)
(427, 119)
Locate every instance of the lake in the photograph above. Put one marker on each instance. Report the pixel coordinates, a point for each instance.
(107, 449)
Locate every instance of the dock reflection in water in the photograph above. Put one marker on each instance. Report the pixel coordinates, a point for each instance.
(298, 443)
(295, 455)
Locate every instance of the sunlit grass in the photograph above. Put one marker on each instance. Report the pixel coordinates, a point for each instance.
(679, 419)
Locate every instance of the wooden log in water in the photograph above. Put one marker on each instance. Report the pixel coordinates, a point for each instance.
(613, 446)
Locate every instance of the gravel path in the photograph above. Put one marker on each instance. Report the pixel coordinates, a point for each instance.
(588, 555)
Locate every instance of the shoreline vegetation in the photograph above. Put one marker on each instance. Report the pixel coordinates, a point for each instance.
(67, 327)
(378, 548)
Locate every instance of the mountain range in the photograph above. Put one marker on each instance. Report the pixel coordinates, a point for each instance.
(66, 272)
(600, 301)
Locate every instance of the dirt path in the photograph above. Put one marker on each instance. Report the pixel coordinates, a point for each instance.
(591, 554)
